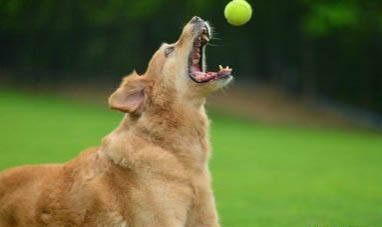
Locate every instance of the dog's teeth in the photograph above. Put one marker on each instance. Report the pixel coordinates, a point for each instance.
(206, 38)
(220, 67)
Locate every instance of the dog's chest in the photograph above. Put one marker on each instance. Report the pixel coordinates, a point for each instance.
(155, 200)
(115, 220)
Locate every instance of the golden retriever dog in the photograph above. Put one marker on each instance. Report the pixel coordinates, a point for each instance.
(152, 171)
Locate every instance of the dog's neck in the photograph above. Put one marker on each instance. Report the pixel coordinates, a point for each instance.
(181, 131)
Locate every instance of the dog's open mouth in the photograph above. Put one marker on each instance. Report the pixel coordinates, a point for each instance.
(197, 68)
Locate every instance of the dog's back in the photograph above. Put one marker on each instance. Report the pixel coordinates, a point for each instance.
(19, 190)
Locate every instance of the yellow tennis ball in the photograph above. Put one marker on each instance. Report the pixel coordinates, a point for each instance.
(238, 12)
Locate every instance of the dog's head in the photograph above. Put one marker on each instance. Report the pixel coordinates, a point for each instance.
(176, 74)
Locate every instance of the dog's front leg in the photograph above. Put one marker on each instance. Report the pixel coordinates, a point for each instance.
(203, 212)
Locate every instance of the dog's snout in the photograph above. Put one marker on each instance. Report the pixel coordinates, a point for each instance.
(196, 19)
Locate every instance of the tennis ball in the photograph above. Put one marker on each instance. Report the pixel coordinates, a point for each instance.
(238, 12)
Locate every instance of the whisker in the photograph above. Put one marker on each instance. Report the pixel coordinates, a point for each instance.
(216, 38)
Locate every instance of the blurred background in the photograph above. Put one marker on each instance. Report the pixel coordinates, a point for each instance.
(297, 136)
(322, 53)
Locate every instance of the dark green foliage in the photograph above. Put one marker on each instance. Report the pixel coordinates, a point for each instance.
(308, 47)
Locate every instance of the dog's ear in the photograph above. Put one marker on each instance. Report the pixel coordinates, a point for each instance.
(130, 96)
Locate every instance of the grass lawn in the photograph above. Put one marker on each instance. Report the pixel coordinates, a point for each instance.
(263, 176)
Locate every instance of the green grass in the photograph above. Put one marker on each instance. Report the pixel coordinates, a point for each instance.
(263, 176)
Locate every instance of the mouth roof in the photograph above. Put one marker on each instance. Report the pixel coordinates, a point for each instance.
(197, 68)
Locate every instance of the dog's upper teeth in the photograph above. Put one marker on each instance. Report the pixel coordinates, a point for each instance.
(220, 67)
(205, 37)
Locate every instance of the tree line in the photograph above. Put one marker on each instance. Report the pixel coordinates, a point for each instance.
(313, 48)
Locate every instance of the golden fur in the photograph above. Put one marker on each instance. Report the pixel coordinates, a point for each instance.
(150, 171)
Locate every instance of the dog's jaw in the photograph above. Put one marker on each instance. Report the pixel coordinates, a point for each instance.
(197, 58)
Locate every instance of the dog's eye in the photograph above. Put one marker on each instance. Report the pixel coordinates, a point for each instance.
(168, 51)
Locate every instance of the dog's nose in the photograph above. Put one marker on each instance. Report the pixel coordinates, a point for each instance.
(196, 19)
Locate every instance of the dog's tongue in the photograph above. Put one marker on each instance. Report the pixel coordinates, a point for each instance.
(207, 76)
